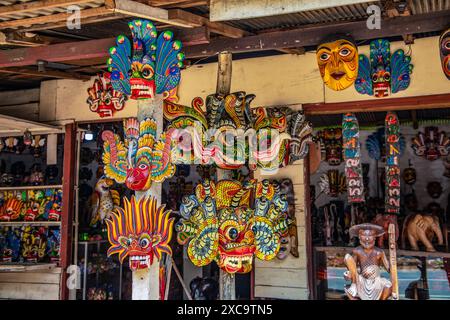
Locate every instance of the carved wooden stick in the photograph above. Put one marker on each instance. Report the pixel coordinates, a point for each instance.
(393, 261)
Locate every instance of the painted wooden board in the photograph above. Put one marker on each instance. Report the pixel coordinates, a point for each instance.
(29, 291)
(281, 292)
(284, 277)
(289, 263)
(30, 277)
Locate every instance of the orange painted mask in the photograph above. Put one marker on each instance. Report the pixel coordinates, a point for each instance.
(338, 63)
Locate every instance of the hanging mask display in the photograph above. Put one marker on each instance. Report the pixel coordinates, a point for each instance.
(392, 172)
(216, 133)
(376, 145)
(34, 244)
(331, 142)
(444, 49)
(431, 144)
(332, 183)
(11, 210)
(140, 231)
(11, 144)
(352, 158)
(151, 66)
(337, 58)
(37, 145)
(289, 243)
(383, 74)
(140, 159)
(218, 224)
(434, 189)
(11, 248)
(103, 99)
(409, 175)
(27, 138)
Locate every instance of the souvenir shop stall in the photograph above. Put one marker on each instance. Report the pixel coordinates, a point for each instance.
(31, 209)
(379, 180)
(182, 207)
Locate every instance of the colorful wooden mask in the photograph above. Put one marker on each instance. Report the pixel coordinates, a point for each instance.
(332, 183)
(218, 224)
(11, 210)
(431, 144)
(337, 59)
(103, 99)
(229, 134)
(383, 74)
(352, 158)
(444, 49)
(140, 159)
(392, 172)
(140, 231)
(289, 242)
(376, 144)
(331, 142)
(151, 66)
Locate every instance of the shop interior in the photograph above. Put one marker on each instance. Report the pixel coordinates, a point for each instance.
(103, 277)
(423, 270)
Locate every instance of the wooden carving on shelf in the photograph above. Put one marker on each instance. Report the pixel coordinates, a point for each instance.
(364, 266)
(419, 227)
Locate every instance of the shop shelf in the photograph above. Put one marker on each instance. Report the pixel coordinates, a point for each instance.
(14, 188)
(30, 223)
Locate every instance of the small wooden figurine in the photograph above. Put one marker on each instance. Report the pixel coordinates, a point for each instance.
(364, 266)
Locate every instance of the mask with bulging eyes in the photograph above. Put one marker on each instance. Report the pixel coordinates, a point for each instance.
(338, 62)
(285, 247)
(444, 48)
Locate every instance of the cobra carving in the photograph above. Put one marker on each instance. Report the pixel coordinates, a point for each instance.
(217, 133)
(140, 158)
(218, 223)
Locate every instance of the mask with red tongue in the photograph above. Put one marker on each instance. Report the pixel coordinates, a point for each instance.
(140, 231)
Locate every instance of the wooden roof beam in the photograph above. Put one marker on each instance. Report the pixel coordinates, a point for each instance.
(45, 74)
(196, 20)
(37, 5)
(53, 18)
(303, 37)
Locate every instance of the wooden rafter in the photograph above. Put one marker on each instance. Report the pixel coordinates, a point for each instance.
(46, 74)
(196, 20)
(94, 49)
(37, 5)
(57, 17)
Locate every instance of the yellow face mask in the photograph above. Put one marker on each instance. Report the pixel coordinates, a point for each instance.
(338, 63)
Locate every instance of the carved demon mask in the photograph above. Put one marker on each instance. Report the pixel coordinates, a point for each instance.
(141, 160)
(11, 210)
(333, 183)
(444, 48)
(431, 144)
(337, 59)
(384, 73)
(331, 141)
(103, 99)
(140, 231)
(152, 65)
(219, 225)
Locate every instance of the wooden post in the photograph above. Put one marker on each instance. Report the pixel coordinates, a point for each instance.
(67, 206)
(227, 281)
(146, 281)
